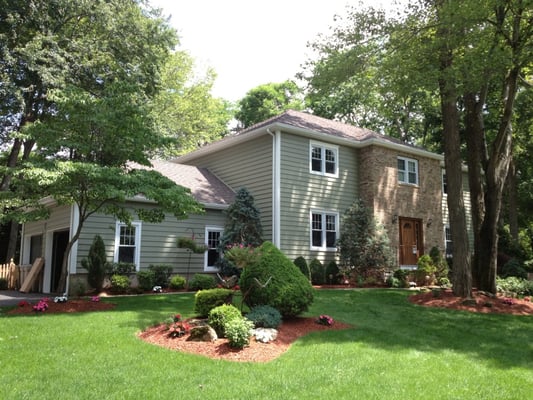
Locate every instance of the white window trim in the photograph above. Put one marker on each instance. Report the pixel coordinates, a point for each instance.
(137, 254)
(324, 147)
(323, 213)
(407, 160)
(210, 228)
(447, 228)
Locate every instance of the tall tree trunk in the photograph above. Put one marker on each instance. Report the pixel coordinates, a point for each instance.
(512, 200)
(462, 276)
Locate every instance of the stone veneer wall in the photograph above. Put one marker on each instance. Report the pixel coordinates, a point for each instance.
(380, 189)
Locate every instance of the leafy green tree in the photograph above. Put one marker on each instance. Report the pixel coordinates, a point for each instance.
(185, 111)
(88, 50)
(266, 101)
(363, 245)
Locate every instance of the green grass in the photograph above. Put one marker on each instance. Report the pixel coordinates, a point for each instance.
(396, 350)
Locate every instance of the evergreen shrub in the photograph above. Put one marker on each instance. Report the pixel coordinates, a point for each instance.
(146, 279)
(206, 300)
(96, 264)
(162, 274)
(302, 266)
(332, 273)
(318, 273)
(274, 280)
(120, 283)
(219, 317)
(238, 332)
(202, 282)
(264, 317)
(177, 282)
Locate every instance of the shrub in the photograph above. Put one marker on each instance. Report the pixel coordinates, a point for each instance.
(177, 282)
(161, 274)
(426, 268)
(96, 263)
(202, 282)
(332, 273)
(514, 285)
(3, 284)
(238, 332)
(318, 273)
(146, 279)
(442, 268)
(513, 267)
(206, 300)
(402, 276)
(275, 280)
(264, 317)
(302, 266)
(121, 268)
(394, 282)
(120, 283)
(220, 316)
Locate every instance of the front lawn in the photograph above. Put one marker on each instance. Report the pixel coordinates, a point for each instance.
(396, 350)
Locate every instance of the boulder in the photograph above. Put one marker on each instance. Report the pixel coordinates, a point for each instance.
(202, 334)
(265, 335)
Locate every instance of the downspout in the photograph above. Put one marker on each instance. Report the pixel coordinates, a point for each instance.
(276, 219)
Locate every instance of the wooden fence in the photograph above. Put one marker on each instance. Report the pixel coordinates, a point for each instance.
(16, 275)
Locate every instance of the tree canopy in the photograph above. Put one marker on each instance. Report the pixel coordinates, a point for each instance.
(268, 100)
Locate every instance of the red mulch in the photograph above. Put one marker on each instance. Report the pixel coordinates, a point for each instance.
(70, 306)
(483, 303)
(288, 332)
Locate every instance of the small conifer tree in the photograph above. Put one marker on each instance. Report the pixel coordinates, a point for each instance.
(363, 243)
(243, 223)
(96, 263)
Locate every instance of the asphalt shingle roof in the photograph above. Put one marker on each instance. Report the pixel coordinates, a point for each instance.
(205, 187)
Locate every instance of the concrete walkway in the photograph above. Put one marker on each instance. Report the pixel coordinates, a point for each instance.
(10, 298)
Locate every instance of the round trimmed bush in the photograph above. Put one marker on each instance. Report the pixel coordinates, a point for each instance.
(177, 282)
(318, 273)
(220, 316)
(238, 332)
(302, 266)
(146, 279)
(274, 280)
(202, 282)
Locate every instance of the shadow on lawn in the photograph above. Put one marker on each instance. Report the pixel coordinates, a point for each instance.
(386, 319)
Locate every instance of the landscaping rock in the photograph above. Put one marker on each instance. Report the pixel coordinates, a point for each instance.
(202, 334)
(265, 335)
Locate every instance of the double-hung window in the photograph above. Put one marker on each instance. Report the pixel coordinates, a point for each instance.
(448, 242)
(128, 243)
(213, 253)
(407, 171)
(324, 230)
(324, 159)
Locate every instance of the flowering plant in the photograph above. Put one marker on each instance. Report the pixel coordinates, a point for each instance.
(41, 306)
(95, 299)
(325, 320)
(527, 299)
(509, 300)
(23, 303)
(178, 328)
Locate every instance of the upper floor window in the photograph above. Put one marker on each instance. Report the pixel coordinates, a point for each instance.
(324, 159)
(324, 230)
(128, 243)
(213, 253)
(444, 183)
(407, 171)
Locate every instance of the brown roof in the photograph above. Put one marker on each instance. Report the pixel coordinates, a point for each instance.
(205, 187)
(298, 119)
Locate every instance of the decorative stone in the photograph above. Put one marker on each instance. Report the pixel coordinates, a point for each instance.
(265, 335)
(202, 334)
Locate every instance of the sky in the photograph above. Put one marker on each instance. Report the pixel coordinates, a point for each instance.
(248, 42)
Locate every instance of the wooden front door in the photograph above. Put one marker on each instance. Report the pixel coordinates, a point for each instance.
(411, 246)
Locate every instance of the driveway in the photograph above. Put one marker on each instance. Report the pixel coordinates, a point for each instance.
(10, 298)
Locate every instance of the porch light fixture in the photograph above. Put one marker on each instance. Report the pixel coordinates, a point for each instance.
(394, 218)
(430, 221)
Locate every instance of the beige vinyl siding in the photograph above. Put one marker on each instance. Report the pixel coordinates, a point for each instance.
(59, 220)
(249, 165)
(158, 241)
(302, 191)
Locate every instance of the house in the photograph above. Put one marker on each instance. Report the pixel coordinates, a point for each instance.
(303, 171)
